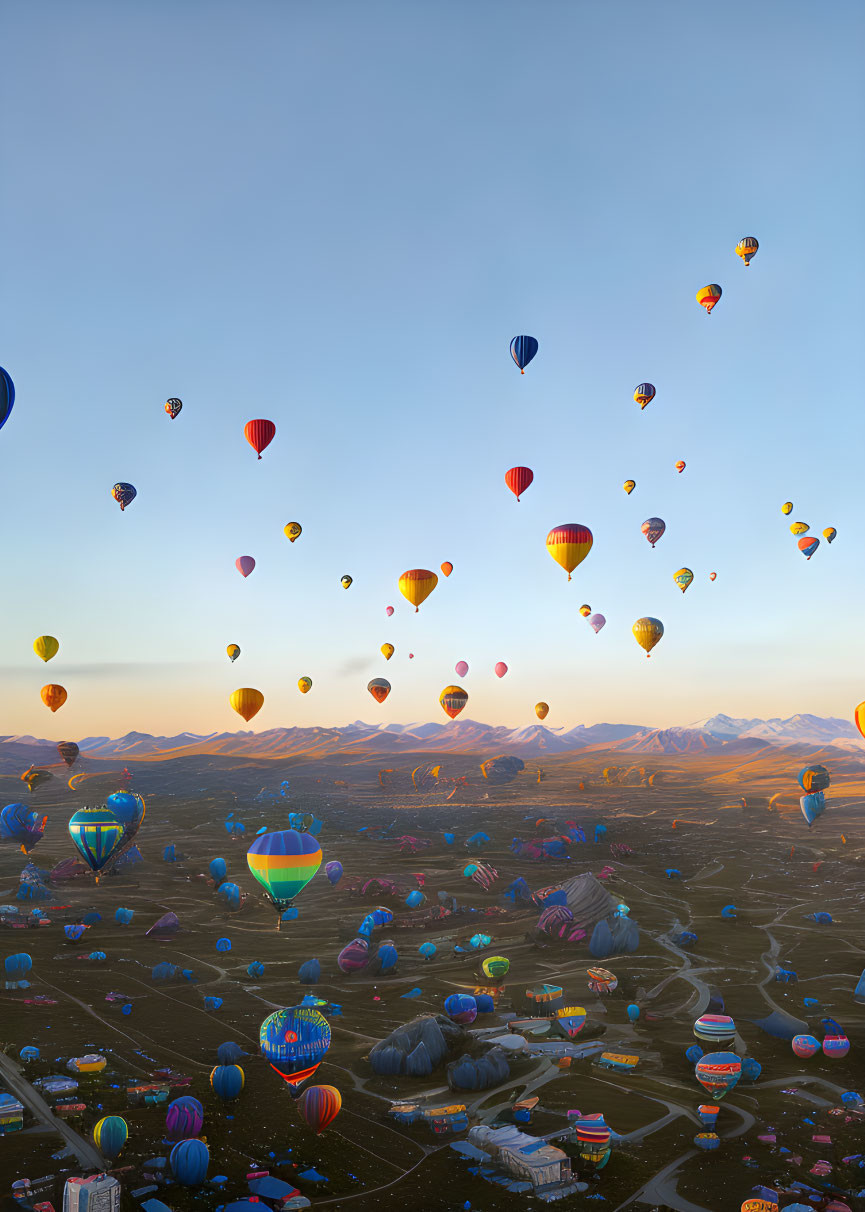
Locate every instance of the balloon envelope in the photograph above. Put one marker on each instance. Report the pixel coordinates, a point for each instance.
(518, 479)
(718, 1072)
(747, 249)
(304, 685)
(244, 565)
(453, 699)
(501, 669)
(647, 632)
(227, 1081)
(124, 494)
(319, 1106)
(629, 486)
(295, 1042)
(110, 1135)
(542, 710)
(708, 296)
(569, 545)
(173, 407)
(644, 393)
(247, 702)
(96, 833)
(416, 585)
(379, 688)
(7, 396)
(683, 578)
(283, 863)
(293, 531)
(259, 434)
(54, 696)
(46, 647)
(596, 622)
(523, 349)
(447, 568)
(653, 528)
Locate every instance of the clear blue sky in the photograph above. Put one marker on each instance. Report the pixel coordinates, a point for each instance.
(337, 215)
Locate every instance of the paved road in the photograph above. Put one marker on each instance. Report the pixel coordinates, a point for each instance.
(86, 1152)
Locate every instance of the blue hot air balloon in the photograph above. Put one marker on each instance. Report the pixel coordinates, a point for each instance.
(17, 965)
(812, 806)
(309, 973)
(633, 1012)
(7, 396)
(229, 895)
(110, 1135)
(427, 950)
(218, 870)
(229, 1053)
(414, 898)
(523, 349)
(96, 833)
(21, 824)
(295, 1041)
(74, 932)
(123, 916)
(223, 944)
(256, 968)
(212, 1003)
(29, 1053)
(189, 1161)
(333, 871)
(227, 1081)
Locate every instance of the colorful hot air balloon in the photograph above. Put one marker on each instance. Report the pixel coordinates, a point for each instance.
(46, 647)
(346, 581)
(447, 568)
(379, 688)
(523, 349)
(461, 669)
(569, 545)
(829, 534)
(680, 466)
(718, 1029)
(718, 1073)
(683, 578)
(304, 685)
(319, 1106)
(20, 824)
(259, 434)
(283, 863)
(808, 545)
(644, 394)
(629, 486)
(387, 651)
(747, 249)
(814, 778)
(244, 565)
(247, 702)
(797, 528)
(7, 396)
(453, 699)
(805, 1046)
(647, 631)
(233, 651)
(713, 576)
(542, 710)
(293, 531)
(69, 751)
(110, 1135)
(501, 669)
(295, 1042)
(708, 296)
(858, 719)
(184, 1118)
(173, 407)
(388, 611)
(124, 494)
(96, 833)
(416, 585)
(787, 507)
(53, 696)
(585, 611)
(596, 622)
(518, 480)
(653, 529)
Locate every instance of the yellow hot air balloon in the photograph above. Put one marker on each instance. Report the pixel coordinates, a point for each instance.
(644, 394)
(683, 578)
(346, 581)
(787, 507)
(798, 528)
(387, 651)
(416, 585)
(708, 296)
(233, 651)
(46, 647)
(542, 710)
(829, 533)
(858, 719)
(247, 702)
(54, 696)
(647, 631)
(629, 486)
(304, 685)
(293, 531)
(747, 248)
(585, 610)
(569, 545)
(452, 700)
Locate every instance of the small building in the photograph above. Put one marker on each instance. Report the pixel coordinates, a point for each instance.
(11, 1114)
(97, 1193)
(57, 1085)
(92, 1063)
(528, 1157)
(544, 998)
(618, 1061)
(446, 1120)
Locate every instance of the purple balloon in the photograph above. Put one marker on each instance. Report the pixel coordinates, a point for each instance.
(333, 871)
(461, 669)
(596, 622)
(184, 1118)
(244, 565)
(354, 957)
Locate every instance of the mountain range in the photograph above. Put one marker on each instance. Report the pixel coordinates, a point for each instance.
(719, 733)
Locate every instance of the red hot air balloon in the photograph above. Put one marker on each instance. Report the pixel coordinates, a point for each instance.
(259, 434)
(244, 565)
(518, 480)
(501, 669)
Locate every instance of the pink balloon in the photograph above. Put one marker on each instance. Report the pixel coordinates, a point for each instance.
(388, 611)
(596, 622)
(501, 669)
(461, 669)
(411, 656)
(244, 565)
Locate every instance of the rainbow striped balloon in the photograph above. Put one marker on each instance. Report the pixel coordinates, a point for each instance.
(284, 863)
(718, 1072)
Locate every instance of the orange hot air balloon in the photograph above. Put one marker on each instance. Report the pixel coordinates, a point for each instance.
(259, 434)
(53, 696)
(379, 688)
(447, 568)
(713, 576)
(542, 710)
(453, 699)
(585, 610)
(708, 296)
(859, 719)
(569, 545)
(247, 702)
(680, 466)
(416, 585)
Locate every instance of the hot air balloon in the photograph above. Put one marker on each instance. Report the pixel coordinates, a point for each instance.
(447, 568)
(293, 531)
(379, 688)
(808, 545)
(713, 576)
(683, 578)
(319, 1106)
(461, 669)
(829, 534)
(680, 466)
(797, 528)
(708, 296)
(787, 507)
(569, 545)
(858, 720)
(814, 778)
(346, 581)
(653, 529)
(46, 647)
(184, 1118)
(835, 1043)
(233, 651)
(20, 824)
(542, 710)
(227, 1081)
(501, 669)
(416, 585)
(496, 967)
(283, 863)
(259, 434)
(747, 249)
(173, 407)
(244, 565)
(518, 480)
(718, 1029)
(647, 631)
(596, 622)
(601, 980)
(127, 806)
(247, 702)
(387, 651)
(585, 611)
(388, 611)
(333, 871)
(124, 494)
(523, 349)
(718, 1073)
(96, 833)
(7, 396)
(110, 1135)
(304, 685)
(453, 699)
(805, 1046)
(295, 1042)
(69, 751)
(188, 1161)
(629, 486)
(53, 696)
(644, 394)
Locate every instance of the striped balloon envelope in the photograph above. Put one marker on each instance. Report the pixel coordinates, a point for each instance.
(602, 981)
(453, 699)
(708, 296)
(523, 349)
(715, 1028)
(354, 956)
(835, 1044)
(96, 833)
(805, 1046)
(319, 1106)
(295, 1042)
(718, 1072)
(569, 545)
(571, 1019)
(708, 1114)
(518, 479)
(284, 863)
(416, 585)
